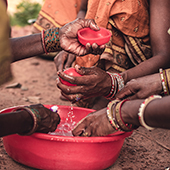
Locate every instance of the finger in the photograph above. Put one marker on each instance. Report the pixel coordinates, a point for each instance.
(59, 60)
(86, 133)
(84, 70)
(91, 23)
(95, 49)
(79, 128)
(125, 92)
(73, 98)
(71, 89)
(70, 59)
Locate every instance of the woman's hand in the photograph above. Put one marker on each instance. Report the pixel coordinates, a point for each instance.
(141, 88)
(93, 82)
(69, 40)
(49, 120)
(63, 60)
(94, 124)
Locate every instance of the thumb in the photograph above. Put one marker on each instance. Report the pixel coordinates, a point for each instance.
(84, 70)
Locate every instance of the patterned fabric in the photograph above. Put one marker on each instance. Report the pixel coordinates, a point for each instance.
(128, 20)
(5, 54)
(56, 13)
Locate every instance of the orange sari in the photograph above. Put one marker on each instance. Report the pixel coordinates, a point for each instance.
(56, 13)
(128, 20)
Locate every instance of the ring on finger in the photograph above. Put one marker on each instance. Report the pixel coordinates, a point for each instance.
(77, 98)
(85, 134)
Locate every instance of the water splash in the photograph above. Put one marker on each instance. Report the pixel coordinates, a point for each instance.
(65, 128)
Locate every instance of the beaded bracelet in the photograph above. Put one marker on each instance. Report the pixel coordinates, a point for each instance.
(119, 80)
(35, 115)
(142, 110)
(117, 85)
(110, 115)
(123, 126)
(50, 40)
(163, 80)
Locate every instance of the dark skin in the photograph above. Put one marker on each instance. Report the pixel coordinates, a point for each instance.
(142, 87)
(90, 88)
(22, 122)
(160, 40)
(64, 59)
(28, 46)
(157, 114)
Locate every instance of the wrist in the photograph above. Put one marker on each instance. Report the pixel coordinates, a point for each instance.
(34, 114)
(27, 122)
(117, 83)
(130, 114)
(50, 40)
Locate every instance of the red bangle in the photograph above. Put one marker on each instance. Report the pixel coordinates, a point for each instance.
(113, 85)
(124, 126)
(43, 41)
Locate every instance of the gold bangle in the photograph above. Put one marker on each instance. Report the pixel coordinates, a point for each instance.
(166, 84)
(110, 114)
(167, 75)
(163, 81)
(123, 126)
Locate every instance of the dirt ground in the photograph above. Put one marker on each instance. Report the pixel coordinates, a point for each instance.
(143, 150)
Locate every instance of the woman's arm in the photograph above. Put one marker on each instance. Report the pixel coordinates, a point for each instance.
(27, 120)
(25, 47)
(156, 114)
(15, 122)
(83, 9)
(55, 39)
(160, 41)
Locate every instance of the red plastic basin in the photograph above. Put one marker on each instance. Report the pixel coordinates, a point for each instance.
(87, 35)
(49, 152)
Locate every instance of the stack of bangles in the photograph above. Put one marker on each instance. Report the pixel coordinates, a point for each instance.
(115, 118)
(165, 79)
(50, 40)
(35, 115)
(117, 84)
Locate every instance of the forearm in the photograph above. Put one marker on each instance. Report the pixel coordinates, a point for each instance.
(160, 40)
(27, 46)
(156, 114)
(83, 9)
(15, 122)
(147, 67)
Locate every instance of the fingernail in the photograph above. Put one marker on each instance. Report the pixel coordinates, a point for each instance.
(57, 80)
(77, 66)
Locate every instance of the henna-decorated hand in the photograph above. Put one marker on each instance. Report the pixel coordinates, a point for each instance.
(48, 119)
(94, 82)
(141, 88)
(69, 40)
(63, 60)
(94, 124)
